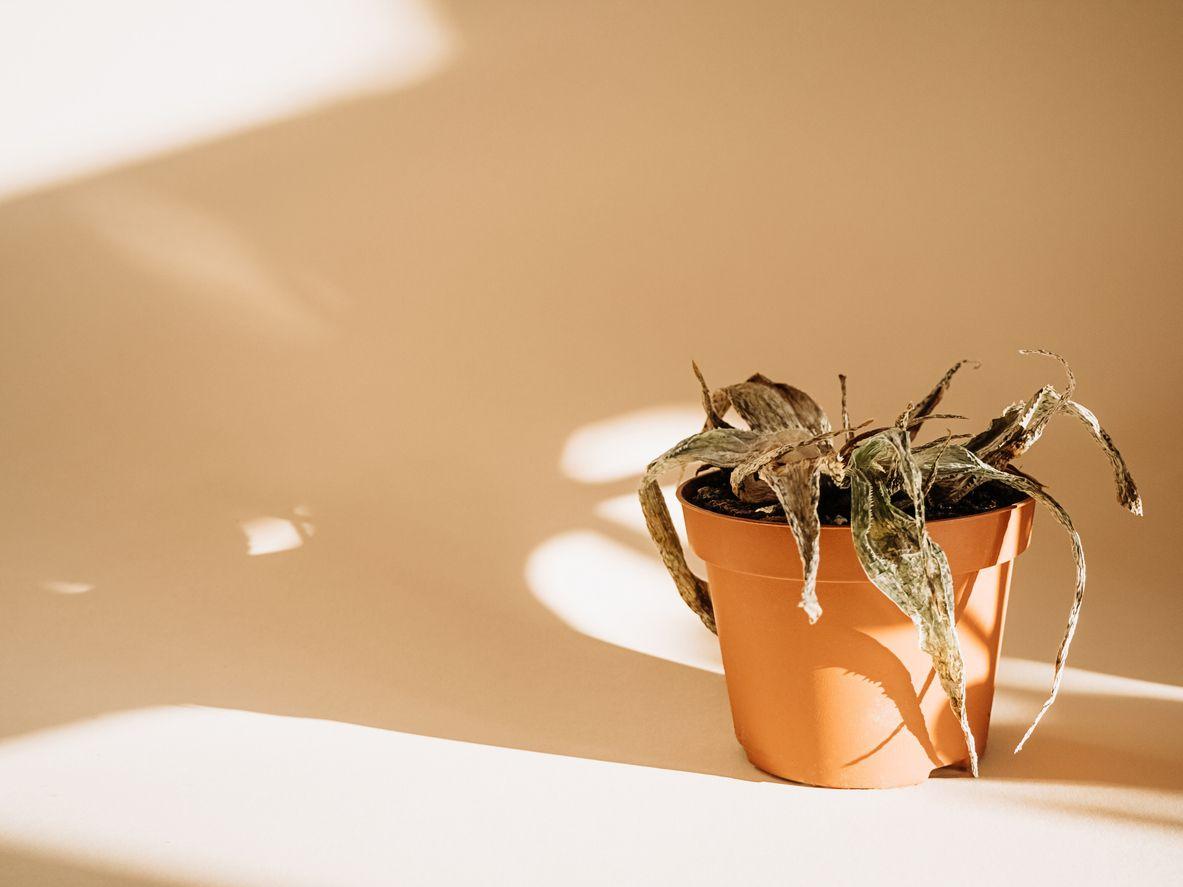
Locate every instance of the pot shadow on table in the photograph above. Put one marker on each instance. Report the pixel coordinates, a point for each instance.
(275, 448)
(1100, 739)
(21, 868)
(1110, 741)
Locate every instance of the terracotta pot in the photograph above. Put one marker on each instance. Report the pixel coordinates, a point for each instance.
(851, 701)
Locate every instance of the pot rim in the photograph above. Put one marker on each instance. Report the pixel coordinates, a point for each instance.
(686, 503)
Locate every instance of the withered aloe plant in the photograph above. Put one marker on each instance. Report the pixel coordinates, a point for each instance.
(789, 445)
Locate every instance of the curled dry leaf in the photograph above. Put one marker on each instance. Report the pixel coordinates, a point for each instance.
(1025, 428)
(788, 445)
(745, 481)
(1127, 490)
(773, 406)
(1027, 423)
(721, 447)
(1022, 424)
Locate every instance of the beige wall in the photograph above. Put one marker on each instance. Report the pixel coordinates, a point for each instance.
(396, 309)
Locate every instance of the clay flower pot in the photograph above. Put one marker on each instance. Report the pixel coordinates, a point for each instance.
(851, 701)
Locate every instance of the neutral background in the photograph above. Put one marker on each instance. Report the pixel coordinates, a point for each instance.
(384, 318)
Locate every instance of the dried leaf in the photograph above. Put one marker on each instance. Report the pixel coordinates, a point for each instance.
(903, 562)
(784, 445)
(714, 418)
(954, 463)
(1127, 490)
(657, 518)
(797, 486)
(782, 419)
(721, 447)
(913, 424)
(745, 483)
(773, 406)
(845, 413)
(1021, 425)
(1009, 440)
(999, 428)
(720, 402)
(940, 445)
(776, 408)
(929, 403)
(791, 473)
(1022, 431)
(1043, 352)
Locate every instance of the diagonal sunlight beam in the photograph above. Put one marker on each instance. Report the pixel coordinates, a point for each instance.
(621, 447)
(84, 86)
(613, 593)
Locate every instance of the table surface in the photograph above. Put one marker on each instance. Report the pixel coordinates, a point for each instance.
(195, 794)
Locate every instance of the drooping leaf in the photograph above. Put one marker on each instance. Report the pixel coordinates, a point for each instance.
(790, 472)
(721, 447)
(782, 418)
(952, 464)
(797, 486)
(691, 589)
(784, 412)
(1007, 439)
(1127, 490)
(903, 562)
(1021, 425)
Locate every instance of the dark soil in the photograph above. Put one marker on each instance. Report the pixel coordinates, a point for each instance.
(712, 491)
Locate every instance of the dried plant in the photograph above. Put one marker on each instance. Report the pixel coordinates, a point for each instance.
(789, 445)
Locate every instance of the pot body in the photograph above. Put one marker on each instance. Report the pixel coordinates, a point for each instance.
(851, 701)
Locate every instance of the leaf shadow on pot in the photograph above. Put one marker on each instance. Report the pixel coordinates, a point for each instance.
(910, 698)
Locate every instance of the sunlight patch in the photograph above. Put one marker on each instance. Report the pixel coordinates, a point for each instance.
(611, 592)
(85, 86)
(621, 447)
(268, 535)
(60, 586)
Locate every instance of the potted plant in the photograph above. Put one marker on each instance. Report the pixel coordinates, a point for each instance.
(828, 550)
